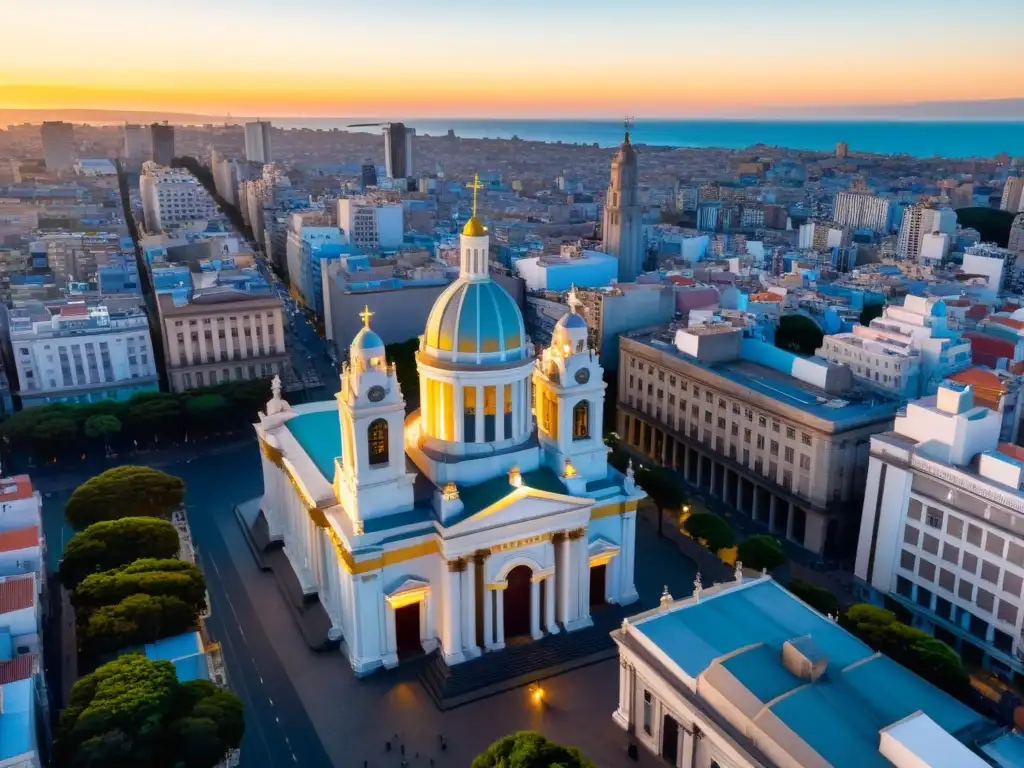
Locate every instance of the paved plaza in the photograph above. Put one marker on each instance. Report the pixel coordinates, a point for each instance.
(308, 709)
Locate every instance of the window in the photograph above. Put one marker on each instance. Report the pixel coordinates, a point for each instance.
(760, 442)
(970, 563)
(989, 572)
(954, 526)
(709, 397)
(773, 449)
(721, 423)
(581, 420)
(805, 438)
(933, 518)
(926, 570)
(790, 433)
(1011, 583)
(907, 560)
(805, 463)
(648, 712)
(762, 421)
(994, 544)
(930, 544)
(985, 600)
(788, 455)
(746, 435)
(377, 436)
(910, 534)
(965, 590)
(1007, 612)
(974, 535)
(946, 579)
(950, 553)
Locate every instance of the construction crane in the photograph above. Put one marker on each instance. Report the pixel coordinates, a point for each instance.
(366, 125)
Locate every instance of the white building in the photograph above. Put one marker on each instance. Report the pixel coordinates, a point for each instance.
(745, 675)
(919, 221)
(858, 211)
(575, 266)
(304, 239)
(907, 351)
(989, 261)
(99, 166)
(820, 236)
(941, 526)
(935, 247)
(134, 148)
(1013, 195)
(58, 145)
(371, 224)
(172, 196)
(514, 528)
(258, 144)
(74, 352)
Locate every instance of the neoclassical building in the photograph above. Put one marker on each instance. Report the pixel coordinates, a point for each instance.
(489, 514)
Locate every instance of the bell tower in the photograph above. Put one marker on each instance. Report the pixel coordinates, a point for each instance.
(569, 384)
(370, 478)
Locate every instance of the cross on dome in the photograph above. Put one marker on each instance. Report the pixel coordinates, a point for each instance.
(571, 299)
(476, 186)
(366, 314)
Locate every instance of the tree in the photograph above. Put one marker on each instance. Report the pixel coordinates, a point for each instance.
(528, 749)
(102, 426)
(663, 488)
(169, 578)
(127, 491)
(55, 432)
(870, 312)
(115, 543)
(133, 711)
(156, 415)
(819, 598)
(714, 531)
(798, 334)
(136, 620)
(206, 412)
(992, 225)
(916, 650)
(761, 552)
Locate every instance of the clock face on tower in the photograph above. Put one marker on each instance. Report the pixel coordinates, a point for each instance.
(583, 375)
(376, 393)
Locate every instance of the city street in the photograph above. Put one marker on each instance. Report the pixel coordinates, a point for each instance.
(308, 709)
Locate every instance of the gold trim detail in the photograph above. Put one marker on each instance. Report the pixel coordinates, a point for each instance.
(507, 545)
(456, 566)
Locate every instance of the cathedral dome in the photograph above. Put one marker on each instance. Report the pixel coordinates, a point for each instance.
(570, 334)
(476, 318)
(571, 320)
(367, 340)
(474, 228)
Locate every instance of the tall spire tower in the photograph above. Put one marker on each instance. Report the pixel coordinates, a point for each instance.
(623, 233)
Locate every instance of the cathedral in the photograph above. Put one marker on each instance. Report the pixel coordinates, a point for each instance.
(487, 516)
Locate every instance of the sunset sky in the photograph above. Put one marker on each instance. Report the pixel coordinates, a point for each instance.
(522, 58)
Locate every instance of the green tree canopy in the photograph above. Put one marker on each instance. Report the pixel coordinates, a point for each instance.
(136, 620)
(662, 486)
(127, 491)
(115, 543)
(714, 531)
(102, 425)
(171, 578)
(760, 552)
(58, 429)
(817, 597)
(799, 334)
(916, 650)
(133, 712)
(528, 749)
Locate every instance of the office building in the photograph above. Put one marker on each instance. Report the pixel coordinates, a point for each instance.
(172, 196)
(989, 261)
(822, 236)
(782, 439)
(574, 266)
(1013, 195)
(623, 214)
(860, 211)
(162, 138)
(258, 144)
(709, 213)
(58, 146)
(308, 232)
(221, 334)
(624, 308)
(940, 532)
(134, 148)
(744, 674)
(369, 174)
(399, 158)
(74, 352)
(907, 352)
(918, 222)
(1015, 243)
(370, 224)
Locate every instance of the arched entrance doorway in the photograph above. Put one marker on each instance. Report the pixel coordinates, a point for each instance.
(517, 602)
(407, 631)
(598, 574)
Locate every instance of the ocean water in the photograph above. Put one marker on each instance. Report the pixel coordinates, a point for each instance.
(917, 138)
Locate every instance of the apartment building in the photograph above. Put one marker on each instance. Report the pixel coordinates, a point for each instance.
(1013, 195)
(919, 223)
(860, 211)
(172, 196)
(621, 309)
(162, 140)
(941, 531)
(134, 148)
(258, 145)
(58, 146)
(308, 232)
(371, 224)
(822, 235)
(781, 438)
(1016, 240)
(906, 352)
(221, 334)
(78, 352)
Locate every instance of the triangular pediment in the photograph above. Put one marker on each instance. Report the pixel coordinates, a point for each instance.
(520, 505)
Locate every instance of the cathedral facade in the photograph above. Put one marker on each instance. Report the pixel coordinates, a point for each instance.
(489, 513)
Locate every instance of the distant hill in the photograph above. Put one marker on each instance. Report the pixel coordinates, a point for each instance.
(994, 225)
(100, 116)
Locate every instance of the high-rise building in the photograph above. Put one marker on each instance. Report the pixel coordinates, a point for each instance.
(921, 220)
(623, 216)
(861, 211)
(371, 224)
(1013, 195)
(134, 149)
(1016, 241)
(58, 145)
(172, 196)
(258, 145)
(163, 143)
(822, 235)
(398, 151)
(842, 149)
(369, 173)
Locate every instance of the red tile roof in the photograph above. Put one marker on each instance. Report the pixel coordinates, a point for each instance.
(987, 350)
(1013, 451)
(988, 387)
(18, 668)
(16, 593)
(19, 538)
(977, 312)
(16, 487)
(75, 309)
(1009, 322)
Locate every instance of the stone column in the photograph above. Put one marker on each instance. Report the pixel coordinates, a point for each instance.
(499, 412)
(627, 559)
(499, 597)
(460, 413)
(549, 605)
(452, 639)
(773, 503)
(488, 618)
(579, 581)
(390, 656)
(469, 609)
(789, 522)
(535, 632)
(621, 715)
(564, 575)
(479, 415)
(528, 398)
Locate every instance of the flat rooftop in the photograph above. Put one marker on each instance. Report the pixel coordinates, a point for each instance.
(766, 375)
